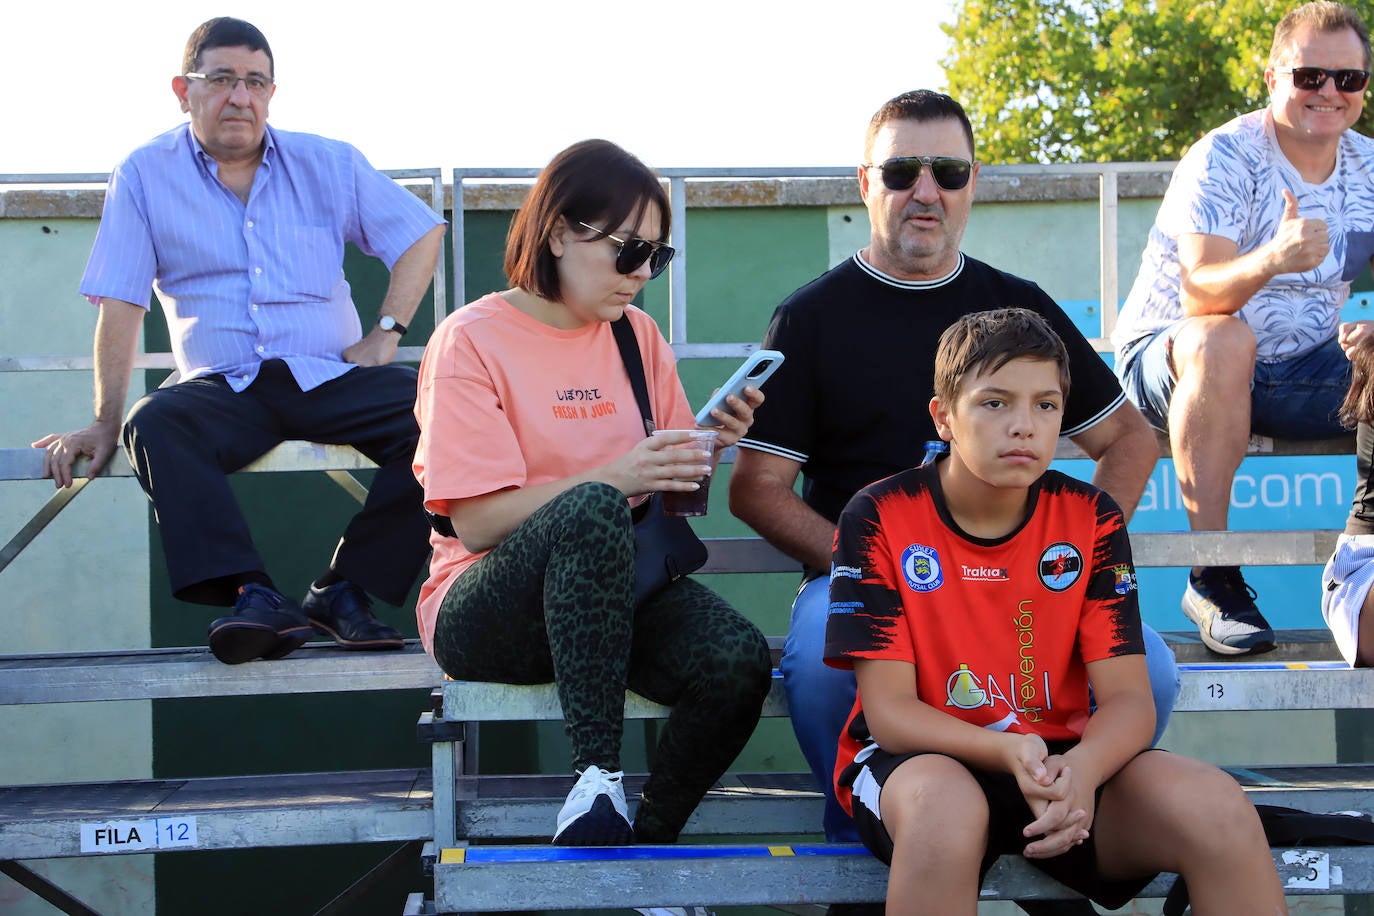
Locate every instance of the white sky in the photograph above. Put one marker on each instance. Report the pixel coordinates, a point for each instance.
(499, 83)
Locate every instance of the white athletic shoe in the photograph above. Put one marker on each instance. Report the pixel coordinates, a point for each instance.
(595, 813)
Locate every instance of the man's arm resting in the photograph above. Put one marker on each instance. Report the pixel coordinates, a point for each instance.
(762, 496)
(1125, 449)
(116, 345)
(1215, 279)
(410, 277)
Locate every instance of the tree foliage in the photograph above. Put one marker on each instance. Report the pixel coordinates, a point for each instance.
(1097, 80)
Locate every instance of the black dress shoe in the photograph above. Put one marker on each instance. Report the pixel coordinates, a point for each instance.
(265, 624)
(343, 612)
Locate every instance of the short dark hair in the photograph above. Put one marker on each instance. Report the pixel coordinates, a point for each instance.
(1359, 400)
(594, 182)
(224, 32)
(1321, 16)
(987, 341)
(918, 105)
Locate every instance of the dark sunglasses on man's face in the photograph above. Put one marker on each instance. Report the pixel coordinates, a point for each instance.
(635, 251)
(1313, 78)
(950, 172)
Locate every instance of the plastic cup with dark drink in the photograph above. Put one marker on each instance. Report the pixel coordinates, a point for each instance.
(694, 502)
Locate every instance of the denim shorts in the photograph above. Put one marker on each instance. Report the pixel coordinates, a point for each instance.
(1295, 398)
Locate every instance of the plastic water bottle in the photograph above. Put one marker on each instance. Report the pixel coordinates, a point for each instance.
(934, 449)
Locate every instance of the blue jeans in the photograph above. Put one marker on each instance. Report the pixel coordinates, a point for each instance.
(1296, 398)
(820, 697)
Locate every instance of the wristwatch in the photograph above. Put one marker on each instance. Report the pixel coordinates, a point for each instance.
(387, 323)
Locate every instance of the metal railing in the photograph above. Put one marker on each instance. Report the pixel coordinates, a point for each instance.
(1106, 173)
(434, 176)
(1108, 177)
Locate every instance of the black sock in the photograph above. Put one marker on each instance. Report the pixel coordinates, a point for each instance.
(330, 577)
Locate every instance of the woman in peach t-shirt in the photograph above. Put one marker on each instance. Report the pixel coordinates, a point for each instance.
(533, 446)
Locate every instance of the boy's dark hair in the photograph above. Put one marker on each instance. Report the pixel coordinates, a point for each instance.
(987, 341)
(920, 105)
(1359, 400)
(593, 182)
(224, 32)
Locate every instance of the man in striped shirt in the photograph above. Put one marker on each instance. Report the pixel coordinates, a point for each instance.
(240, 229)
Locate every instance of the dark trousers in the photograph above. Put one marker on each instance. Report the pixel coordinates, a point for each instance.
(551, 602)
(184, 440)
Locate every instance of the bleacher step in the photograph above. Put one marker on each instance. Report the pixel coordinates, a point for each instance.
(142, 674)
(1204, 686)
(395, 805)
(538, 877)
(301, 809)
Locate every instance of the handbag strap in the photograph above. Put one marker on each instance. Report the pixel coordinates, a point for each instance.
(634, 368)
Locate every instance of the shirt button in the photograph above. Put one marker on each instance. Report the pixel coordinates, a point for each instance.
(257, 270)
(250, 224)
(254, 306)
(247, 377)
(261, 348)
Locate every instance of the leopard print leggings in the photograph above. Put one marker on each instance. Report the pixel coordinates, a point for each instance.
(551, 602)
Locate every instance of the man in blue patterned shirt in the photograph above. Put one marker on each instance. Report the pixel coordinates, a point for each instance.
(1233, 324)
(241, 229)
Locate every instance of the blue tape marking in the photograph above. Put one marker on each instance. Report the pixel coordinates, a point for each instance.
(1260, 666)
(508, 855)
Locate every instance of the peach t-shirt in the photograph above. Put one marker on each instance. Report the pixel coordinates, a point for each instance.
(508, 401)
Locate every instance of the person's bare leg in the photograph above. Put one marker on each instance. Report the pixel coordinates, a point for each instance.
(1364, 638)
(1164, 812)
(937, 817)
(1209, 414)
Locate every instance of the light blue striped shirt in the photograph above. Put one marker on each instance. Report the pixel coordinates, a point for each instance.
(242, 284)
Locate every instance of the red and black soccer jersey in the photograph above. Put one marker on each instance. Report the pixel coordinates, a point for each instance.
(999, 631)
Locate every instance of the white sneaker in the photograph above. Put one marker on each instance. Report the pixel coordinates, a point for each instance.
(595, 813)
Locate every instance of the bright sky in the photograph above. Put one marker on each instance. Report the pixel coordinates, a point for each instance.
(500, 83)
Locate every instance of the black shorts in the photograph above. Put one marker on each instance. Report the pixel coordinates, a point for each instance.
(1008, 815)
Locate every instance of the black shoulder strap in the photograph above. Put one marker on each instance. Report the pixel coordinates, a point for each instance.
(634, 368)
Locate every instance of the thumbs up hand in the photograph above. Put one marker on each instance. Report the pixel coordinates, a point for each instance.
(1300, 243)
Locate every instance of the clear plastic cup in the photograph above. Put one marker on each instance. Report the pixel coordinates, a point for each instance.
(692, 503)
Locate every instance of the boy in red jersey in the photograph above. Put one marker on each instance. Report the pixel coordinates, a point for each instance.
(976, 598)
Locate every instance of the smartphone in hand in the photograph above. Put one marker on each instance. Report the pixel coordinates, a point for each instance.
(754, 371)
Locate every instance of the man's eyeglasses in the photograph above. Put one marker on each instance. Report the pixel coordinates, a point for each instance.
(1313, 78)
(218, 83)
(635, 251)
(950, 172)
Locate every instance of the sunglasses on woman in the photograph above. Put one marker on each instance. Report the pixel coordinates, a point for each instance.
(635, 251)
(1313, 78)
(901, 172)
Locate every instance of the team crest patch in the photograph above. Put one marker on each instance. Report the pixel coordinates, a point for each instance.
(921, 568)
(1060, 566)
(1124, 579)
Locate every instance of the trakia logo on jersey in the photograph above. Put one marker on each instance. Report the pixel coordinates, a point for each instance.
(983, 573)
(921, 568)
(1060, 566)
(1027, 691)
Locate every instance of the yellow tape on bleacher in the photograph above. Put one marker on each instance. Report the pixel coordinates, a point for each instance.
(780, 851)
(453, 856)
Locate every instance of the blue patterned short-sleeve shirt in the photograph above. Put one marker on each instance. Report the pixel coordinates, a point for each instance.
(1231, 184)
